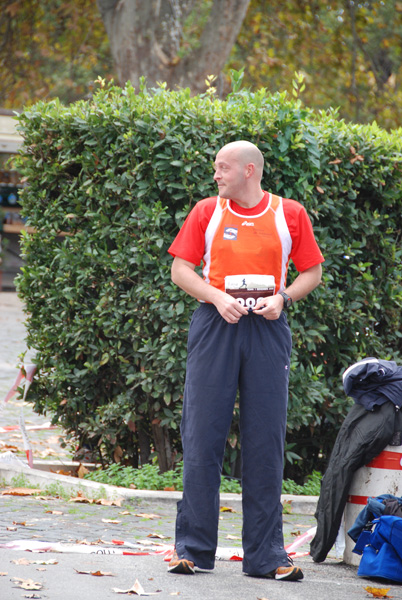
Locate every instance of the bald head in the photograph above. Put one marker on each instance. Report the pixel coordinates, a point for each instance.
(245, 152)
(238, 173)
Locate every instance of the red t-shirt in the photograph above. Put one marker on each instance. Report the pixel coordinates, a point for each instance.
(230, 239)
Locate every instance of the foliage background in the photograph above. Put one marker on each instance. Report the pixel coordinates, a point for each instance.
(349, 52)
(118, 174)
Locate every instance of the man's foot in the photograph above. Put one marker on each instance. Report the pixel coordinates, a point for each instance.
(289, 573)
(181, 565)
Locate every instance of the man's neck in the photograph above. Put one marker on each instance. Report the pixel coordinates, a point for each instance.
(249, 200)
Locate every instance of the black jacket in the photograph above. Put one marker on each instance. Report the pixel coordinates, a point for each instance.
(363, 435)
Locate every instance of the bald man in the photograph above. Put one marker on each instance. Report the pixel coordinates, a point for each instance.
(239, 341)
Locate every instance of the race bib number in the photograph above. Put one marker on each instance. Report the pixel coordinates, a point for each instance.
(248, 289)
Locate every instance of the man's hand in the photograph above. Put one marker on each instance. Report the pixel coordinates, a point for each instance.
(270, 308)
(229, 308)
(184, 275)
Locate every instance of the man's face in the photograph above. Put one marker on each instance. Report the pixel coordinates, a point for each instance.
(230, 173)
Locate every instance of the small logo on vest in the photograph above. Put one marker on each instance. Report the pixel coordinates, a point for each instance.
(230, 233)
(248, 223)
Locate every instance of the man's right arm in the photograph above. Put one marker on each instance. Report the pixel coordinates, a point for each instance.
(184, 275)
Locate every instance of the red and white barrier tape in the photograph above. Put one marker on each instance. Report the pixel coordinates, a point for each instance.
(27, 443)
(9, 428)
(26, 372)
(300, 540)
(34, 546)
(130, 549)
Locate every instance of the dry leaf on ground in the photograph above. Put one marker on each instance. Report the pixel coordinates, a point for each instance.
(111, 521)
(104, 502)
(147, 516)
(82, 471)
(378, 592)
(95, 573)
(26, 561)
(136, 590)
(27, 584)
(227, 509)
(82, 499)
(20, 492)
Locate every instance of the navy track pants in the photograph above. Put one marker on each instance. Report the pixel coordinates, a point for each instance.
(252, 356)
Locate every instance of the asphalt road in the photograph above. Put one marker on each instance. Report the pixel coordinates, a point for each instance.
(87, 569)
(81, 528)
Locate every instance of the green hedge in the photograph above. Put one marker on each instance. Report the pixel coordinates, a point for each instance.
(119, 173)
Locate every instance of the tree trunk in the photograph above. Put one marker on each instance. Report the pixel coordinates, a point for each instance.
(146, 37)
(162, 446)
(144, 447)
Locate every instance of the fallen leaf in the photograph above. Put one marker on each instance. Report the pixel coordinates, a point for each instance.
(378, 592)
(11, 528)
(82, 471)
(48, 452)
(95, 573)
(136, 589)
(233, 537)
(110, 521)
(105, 502)
(227, 509)
(82, 499)
(20, 492)
(125, 512)
(27, 584)
(22, 523)
(21, 561)
(147, 516)
(54, 512)
(3, 574)
(295, 533)
(158, 536)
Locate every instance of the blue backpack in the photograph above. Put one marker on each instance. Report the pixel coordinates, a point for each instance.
(382, 552)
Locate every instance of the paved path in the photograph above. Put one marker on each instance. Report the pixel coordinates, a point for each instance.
(45, 443)
(56, 520)
(94, 526)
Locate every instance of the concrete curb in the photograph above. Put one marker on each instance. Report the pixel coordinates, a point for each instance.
(41, 476)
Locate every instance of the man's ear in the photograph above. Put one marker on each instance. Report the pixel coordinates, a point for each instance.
(250, 170)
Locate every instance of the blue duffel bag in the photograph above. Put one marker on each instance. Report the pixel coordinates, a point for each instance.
(382, 554)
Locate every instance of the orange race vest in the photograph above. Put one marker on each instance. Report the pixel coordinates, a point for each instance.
(238, 244)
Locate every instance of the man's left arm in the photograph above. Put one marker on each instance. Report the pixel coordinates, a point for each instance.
(303, 284)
